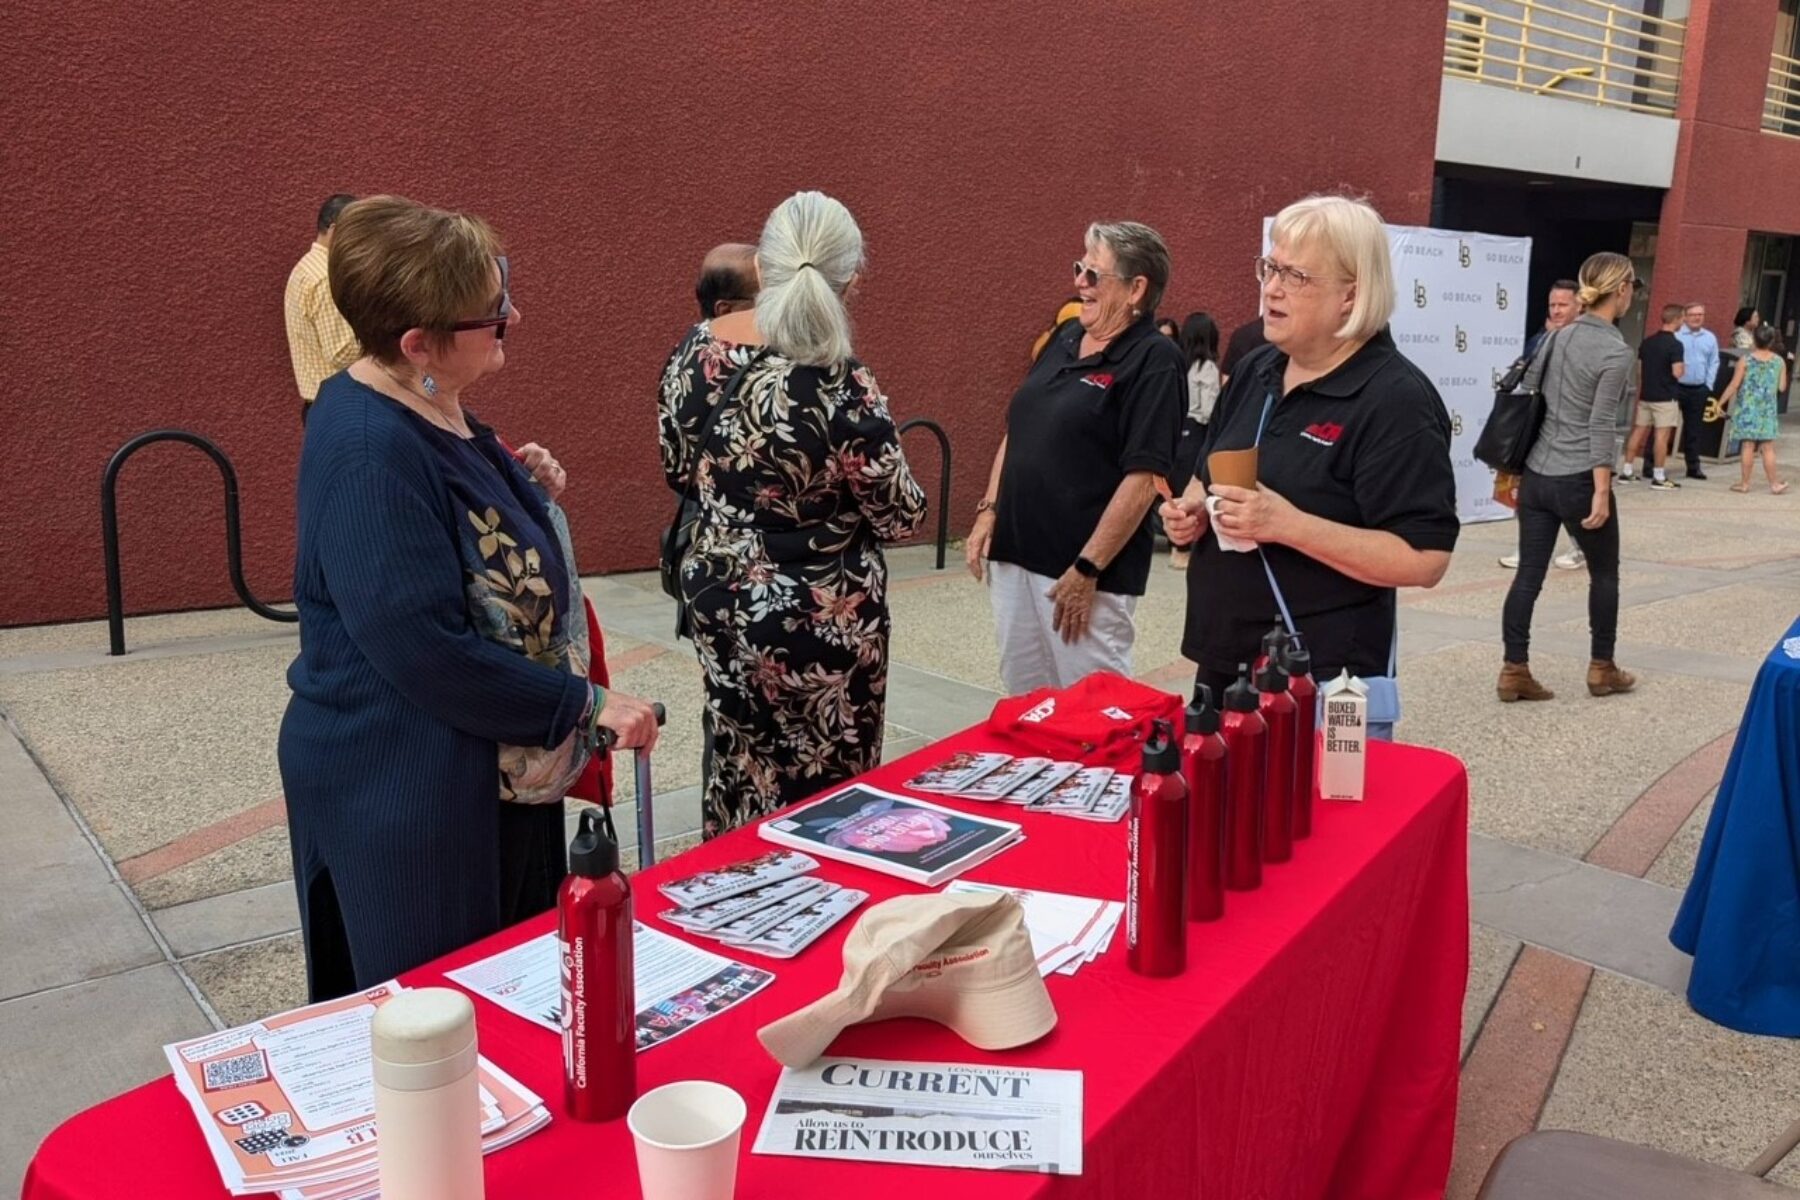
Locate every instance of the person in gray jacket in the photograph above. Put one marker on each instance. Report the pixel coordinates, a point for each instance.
(1584, 372)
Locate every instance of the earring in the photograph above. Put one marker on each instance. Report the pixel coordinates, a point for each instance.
(429, 384)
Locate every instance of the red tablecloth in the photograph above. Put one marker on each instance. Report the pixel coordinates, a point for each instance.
(1309, 1051)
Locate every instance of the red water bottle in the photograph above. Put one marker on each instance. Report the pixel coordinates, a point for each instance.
(1277, 709)
(599, 1009)
(1203, 770)
(1156, 886)
(1305, 692)
(1246, 762)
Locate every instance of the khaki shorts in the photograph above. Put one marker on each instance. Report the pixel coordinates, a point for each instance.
(1658, 414)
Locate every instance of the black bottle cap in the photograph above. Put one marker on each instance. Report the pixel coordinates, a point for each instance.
(1298, 660)
(594, 851)
(1272, 678)
(1274, 640)
(1161, 755)
(1202, 717)
(1240, 696)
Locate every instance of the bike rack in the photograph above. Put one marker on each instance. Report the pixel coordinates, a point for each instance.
(234, 551)
(943, 441)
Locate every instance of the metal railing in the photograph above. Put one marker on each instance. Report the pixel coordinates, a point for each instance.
(1585, 50)
(943, 506)
(1781, 103)
(109, 530)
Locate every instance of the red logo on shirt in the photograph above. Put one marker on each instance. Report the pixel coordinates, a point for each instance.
(1326, 433)
(1099, 380)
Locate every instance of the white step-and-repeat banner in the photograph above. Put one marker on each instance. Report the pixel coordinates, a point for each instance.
(1459, 314)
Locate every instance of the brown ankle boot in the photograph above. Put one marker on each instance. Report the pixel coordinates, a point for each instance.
(1516, 683)
(1605, 678)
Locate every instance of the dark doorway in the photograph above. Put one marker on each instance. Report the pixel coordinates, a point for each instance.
(1566, 219)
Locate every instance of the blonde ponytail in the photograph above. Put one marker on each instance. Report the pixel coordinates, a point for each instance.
(1602, 276)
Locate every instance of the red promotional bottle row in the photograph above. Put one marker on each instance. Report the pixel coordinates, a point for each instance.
(1203, 769)
(1246, 749)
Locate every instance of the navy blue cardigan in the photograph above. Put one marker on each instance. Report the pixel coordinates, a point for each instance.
(388, 749)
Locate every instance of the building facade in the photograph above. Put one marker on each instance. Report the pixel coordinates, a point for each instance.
(164, 173)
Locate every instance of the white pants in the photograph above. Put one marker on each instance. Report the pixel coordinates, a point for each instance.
(1033, 654)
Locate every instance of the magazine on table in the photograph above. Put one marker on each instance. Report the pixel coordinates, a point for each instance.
(896, 835)
(927, 1114)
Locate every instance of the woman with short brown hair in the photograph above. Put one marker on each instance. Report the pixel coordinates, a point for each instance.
(441, 705)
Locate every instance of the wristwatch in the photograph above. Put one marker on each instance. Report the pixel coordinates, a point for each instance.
(1087, 568)
(984, 506)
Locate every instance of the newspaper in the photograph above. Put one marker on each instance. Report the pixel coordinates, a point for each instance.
(927, 1114)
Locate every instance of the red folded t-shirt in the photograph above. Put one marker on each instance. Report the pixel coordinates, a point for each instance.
(1102, 720)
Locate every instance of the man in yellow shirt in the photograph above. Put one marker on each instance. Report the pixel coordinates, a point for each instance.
(319, 339)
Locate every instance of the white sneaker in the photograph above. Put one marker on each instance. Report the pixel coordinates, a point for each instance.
(1574, 560)
(1626, 475)
(1510, 561)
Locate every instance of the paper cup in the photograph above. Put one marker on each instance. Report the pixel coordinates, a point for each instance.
(687, 1137)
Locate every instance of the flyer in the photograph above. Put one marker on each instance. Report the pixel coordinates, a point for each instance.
(677, 986)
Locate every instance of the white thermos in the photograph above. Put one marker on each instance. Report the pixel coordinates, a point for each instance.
(427, 1101)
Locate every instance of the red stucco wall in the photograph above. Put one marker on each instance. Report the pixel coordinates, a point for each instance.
(1731, 177)
(165, 165)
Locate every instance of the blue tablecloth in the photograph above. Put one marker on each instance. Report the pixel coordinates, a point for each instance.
(1740, 918)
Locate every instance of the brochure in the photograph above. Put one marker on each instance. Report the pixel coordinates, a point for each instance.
(678, 986)
(1076, 793)
(709, 887)
(896, 835)
(1041, 784)
(713, 916)
(927, 1114)
(288, 1102)
(997, 784)
(958, 771)
(804, 927)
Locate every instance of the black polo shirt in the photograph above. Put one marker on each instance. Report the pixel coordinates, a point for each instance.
(1076, 427)
(1368, 446)
(1660, 354)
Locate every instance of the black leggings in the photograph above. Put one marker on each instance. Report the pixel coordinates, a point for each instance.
(1548, 503)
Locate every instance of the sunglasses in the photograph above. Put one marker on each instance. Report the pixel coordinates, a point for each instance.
(499, 320)
(1091, 277)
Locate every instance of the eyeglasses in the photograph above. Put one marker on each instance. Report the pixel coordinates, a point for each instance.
(500, 319)
(1091, 276)
(1267, 268)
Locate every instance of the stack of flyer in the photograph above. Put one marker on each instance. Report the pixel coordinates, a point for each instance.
(926, 843)
(287, 1104)
(1067, 932)
(1037, 784)
(768, 905)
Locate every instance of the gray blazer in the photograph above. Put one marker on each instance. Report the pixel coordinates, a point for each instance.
(1589, 367)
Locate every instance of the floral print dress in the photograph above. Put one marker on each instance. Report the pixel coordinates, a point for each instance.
(801, 480)
(1753, 415)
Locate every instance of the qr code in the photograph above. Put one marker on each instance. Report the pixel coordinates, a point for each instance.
(236, 1071)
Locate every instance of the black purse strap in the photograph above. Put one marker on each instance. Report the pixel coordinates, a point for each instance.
(707, 422)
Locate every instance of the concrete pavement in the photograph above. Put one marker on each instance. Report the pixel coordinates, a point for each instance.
(146, 871)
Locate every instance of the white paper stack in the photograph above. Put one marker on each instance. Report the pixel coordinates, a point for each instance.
(287, 1104)
(768, 905)
(1067, 932)
(1066, 789)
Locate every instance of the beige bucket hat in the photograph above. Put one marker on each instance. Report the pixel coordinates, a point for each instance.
(963, 960)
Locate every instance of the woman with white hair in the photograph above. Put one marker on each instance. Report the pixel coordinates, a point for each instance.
(1063, 532)
(1355, 494)
(799, 475)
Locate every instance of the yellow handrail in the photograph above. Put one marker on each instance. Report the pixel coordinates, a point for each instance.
(1615, 56)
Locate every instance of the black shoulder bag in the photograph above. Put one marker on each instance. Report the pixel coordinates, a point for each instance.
(678, 538)
(1512, 427)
